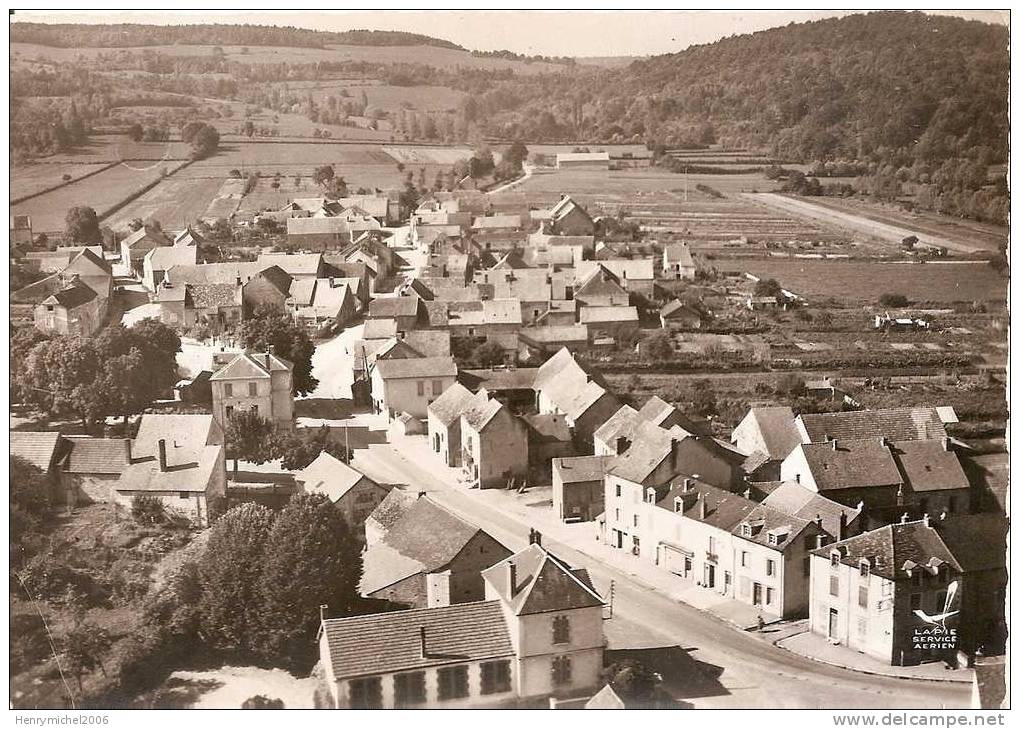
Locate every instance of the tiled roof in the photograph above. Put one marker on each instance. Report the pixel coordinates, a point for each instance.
(544, 583)
(184, 434)
(392, 508)
(245, 365)
(553, 334)
(620, 424)
(851, 464)
(650, 445)
(927, 465)
(894, 548)
(582, 468)
(599, 314)
(181, 475)
(393, 306)
(449, 406)
(791, 498)
(480, 412)
(302, 290)
(380, 328)
(278, 278)
(777, 428)
(166, 257)
(430, 534)
(917, 423)
(501, 311)
(294, 264)
(496, 221)
(679, 253)
(428, 342)
(97, 455)
(212, 296)
(767, 521)
(978, 541)
(723, 509)
(548, 428)
(38, 448)
(661, 413)
(330, 476)
(416, 367)
(389, 642)
(75, 295)
(224, 273)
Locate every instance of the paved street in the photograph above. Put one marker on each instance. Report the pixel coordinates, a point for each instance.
(715, 665)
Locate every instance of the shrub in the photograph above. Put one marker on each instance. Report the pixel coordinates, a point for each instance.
(148, 509)
(262, 702)
(895, 300)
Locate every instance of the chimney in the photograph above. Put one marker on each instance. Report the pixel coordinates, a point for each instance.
(323, 611)
(678, 504)
(421, 642)
(674, 449)
(688, 484)
(903, 519)
(127, 450)
(835, 444)
(512, 575)
(421, 494)
(945, 443)
(818, 521)
(162, 455)
(237, 280)
(883, 441)
(841, 529)
(702, 507)
(796, 477)
(747, 493)
(332, 285)
(925, 519)
(537, 538)
(943, 515)
(272, 349)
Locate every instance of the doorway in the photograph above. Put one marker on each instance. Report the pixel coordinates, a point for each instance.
(833, 623)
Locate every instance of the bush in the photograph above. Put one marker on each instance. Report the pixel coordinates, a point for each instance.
(894, 300)
(262, 702)
(148, 509)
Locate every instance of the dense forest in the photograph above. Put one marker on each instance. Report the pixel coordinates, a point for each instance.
(131, 34)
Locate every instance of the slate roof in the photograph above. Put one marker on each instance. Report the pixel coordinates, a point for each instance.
(448, 406)
(423, 367)
(330, 476)
(226, 273)
(38, 448)
(927, 465)
(429, 534)
(767, 520)
(390, 642)
(679, 253)
(851, 464)
(106, 456)
(777, 428)
(978, 541)
(650, 445)
(917, 423)
(190, 433)
(380, 328)
(212, 296)
(544, 583)
(294, 264)
(791, 498)
(578, 469)
(392, 508)
(723, 509)
(480, 412)
(621, 423)
(553, 334)
(893, 548)
(548, 428)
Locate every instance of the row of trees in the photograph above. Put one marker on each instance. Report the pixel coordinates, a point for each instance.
(257, 440)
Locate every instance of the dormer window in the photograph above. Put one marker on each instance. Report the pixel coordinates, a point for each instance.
(865, 568)
(745, 530)
(834, 559)
(773, 538)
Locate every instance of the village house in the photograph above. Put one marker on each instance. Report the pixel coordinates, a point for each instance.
(409, 385)
(585, 160)
(137, 244)
(635, 275)
(578, 490)
(352, 492)
(161, 259)
(563, 386)
(323, 304)
(46, 451)
(72, 311)
(317, 234)
(254, 382)
(678, 263)
(494, 444)
(912, 423)
(681, 316)
(444, 421)
(404, 310)
(616, 434)
(619, 323)
(888, 477)
(296, 265)
(549, 437)
(567, 217)
(770, 434)
(913, 591)
(537, 634)
(601, 288)
(538, 342)
(92, 467)
(268, 289)
(228, 272)
(178, 459)
(427, 557)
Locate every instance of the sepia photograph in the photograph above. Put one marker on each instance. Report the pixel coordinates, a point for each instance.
(509, 359)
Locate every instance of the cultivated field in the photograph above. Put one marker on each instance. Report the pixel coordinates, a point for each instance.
(858, 282)
(102, 192)
(379, 95)
(32, 178)
(174, 202)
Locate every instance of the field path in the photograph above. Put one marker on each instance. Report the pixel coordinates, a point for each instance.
(856, 223)
(528, 169)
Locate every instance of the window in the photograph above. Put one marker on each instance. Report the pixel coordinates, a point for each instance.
(230, 411)
(745, 559)
(561, 629)
(886, 588)
(770, 567)
(561, 670)
(453, 682)
(495, 677)
(834, 559)
(437, 387)
(862, 596)
(228, 389)
(834, 586)
(409, 688)
(635, 520)
(253, 389)
(366, 693)
(745, 530)
(619, 490)
(770, 595)
(865, 570)
(183, 495)
(617, 515)
(421, 388)
(773, 538)
(915, 601)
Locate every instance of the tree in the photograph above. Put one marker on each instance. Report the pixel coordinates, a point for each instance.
(322, 174)
(489, 354)
(481, 163)
(515, 154)
(262, 702)
(269, 327)
(29, 506)
(229, 572)
(657, 347)
(61, 375)
(635, 683)
(84, 648)
(790, 383)
(203, 138)
(250, 437)
(297, 452)
(768, 287)
(894, 300)
(312, 559)
(249, 129)
(23, 340)
(81, 225)
(135, 132)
